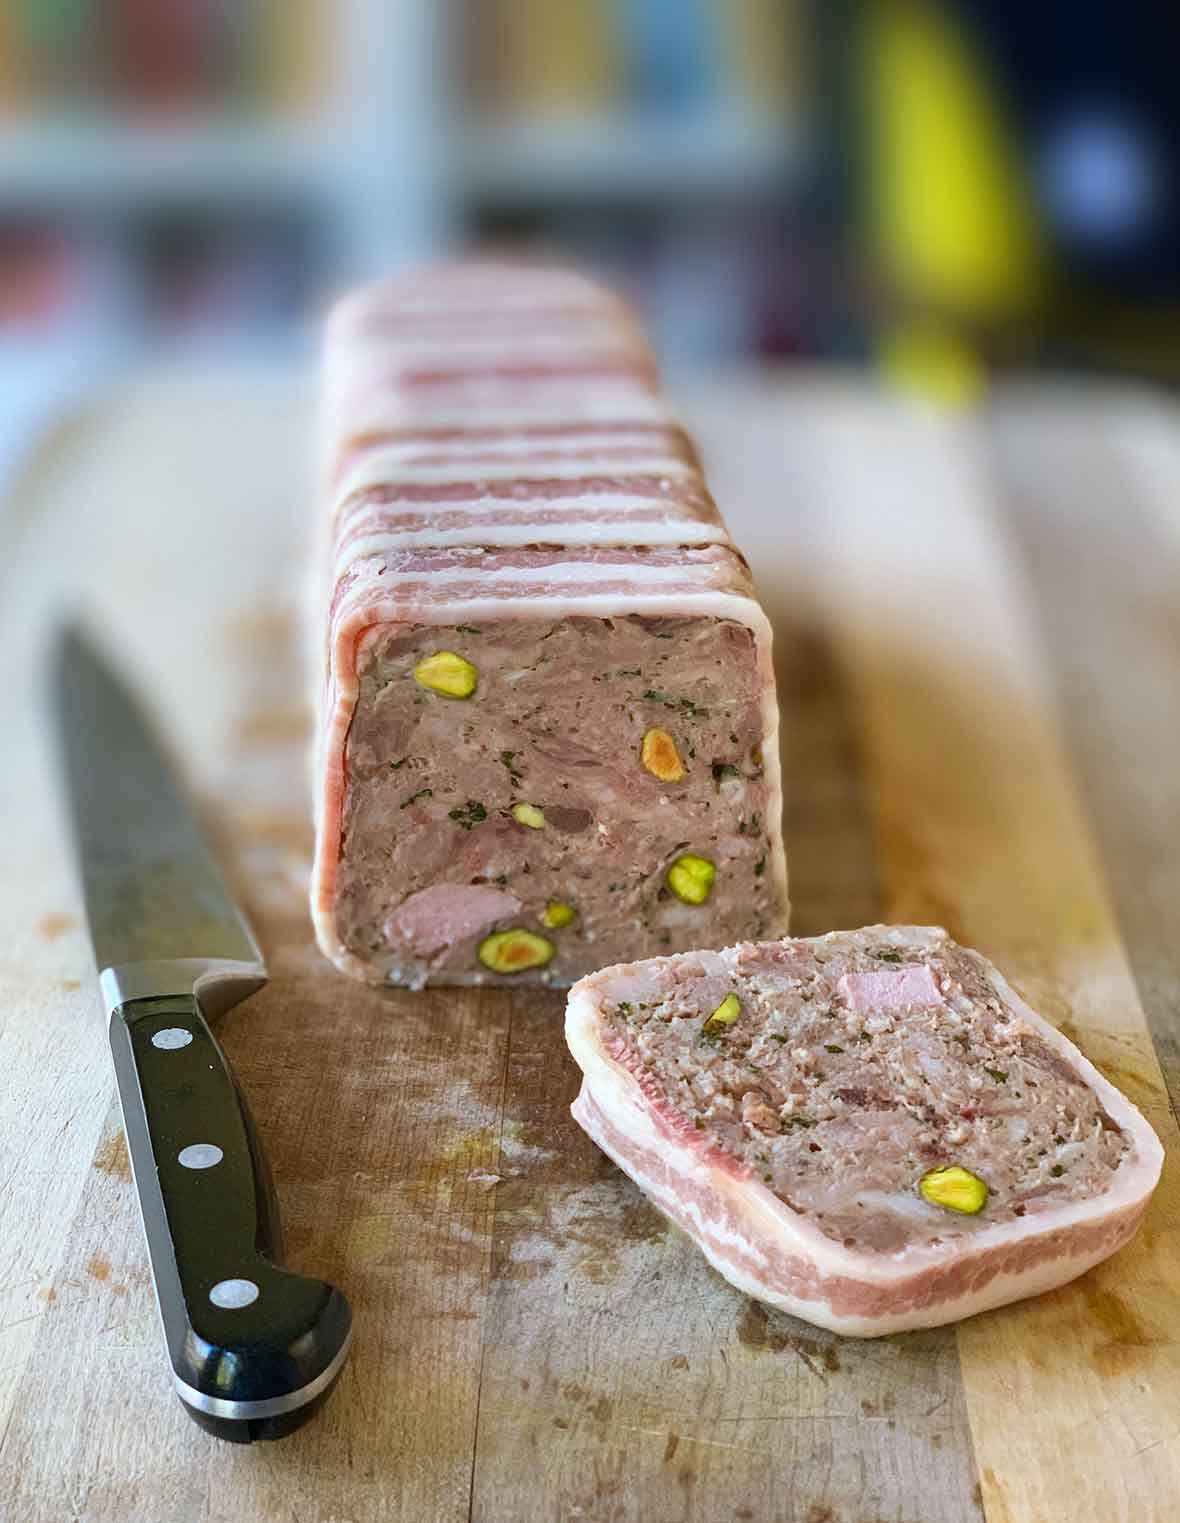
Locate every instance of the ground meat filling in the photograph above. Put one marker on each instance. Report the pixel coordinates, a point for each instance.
(849, 1074)
(549, 785)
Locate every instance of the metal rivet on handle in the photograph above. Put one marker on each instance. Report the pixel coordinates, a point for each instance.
(200, 1155)
(172, 1037)
(232, 1294)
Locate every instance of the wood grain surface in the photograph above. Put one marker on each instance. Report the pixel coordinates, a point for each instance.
(978, 653)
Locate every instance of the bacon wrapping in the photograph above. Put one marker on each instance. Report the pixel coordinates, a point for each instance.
(548, 726)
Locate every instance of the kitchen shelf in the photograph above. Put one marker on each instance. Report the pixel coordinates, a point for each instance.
(523, 163)
(107, 163)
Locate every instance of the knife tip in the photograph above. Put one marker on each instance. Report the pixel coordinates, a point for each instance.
(72, 649)
(68, 641)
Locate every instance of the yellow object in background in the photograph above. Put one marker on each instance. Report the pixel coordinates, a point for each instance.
(760, 44)
(550, 58)
(934, 362)
(292, 54)
(951, 228)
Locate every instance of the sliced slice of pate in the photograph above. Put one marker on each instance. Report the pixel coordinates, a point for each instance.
(868, 1129)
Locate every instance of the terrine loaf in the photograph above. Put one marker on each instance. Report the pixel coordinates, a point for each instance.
(869, 1129)
(548, 730)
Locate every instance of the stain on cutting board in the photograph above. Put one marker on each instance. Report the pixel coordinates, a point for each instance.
(111, 1157)
(55, 925)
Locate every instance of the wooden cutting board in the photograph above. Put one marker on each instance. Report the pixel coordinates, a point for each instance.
(978, 654)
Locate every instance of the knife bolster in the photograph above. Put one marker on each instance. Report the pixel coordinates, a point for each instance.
(217, 982)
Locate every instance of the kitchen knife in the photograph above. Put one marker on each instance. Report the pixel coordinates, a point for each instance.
(254, 1349)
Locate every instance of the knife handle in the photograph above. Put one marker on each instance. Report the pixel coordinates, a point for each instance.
(254, 1348)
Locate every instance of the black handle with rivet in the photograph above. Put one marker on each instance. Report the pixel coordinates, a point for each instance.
(254, 1348)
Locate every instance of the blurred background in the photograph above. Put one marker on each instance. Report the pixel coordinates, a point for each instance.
(935, 187)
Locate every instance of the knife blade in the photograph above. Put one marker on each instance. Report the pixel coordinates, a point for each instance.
(254, 1349)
